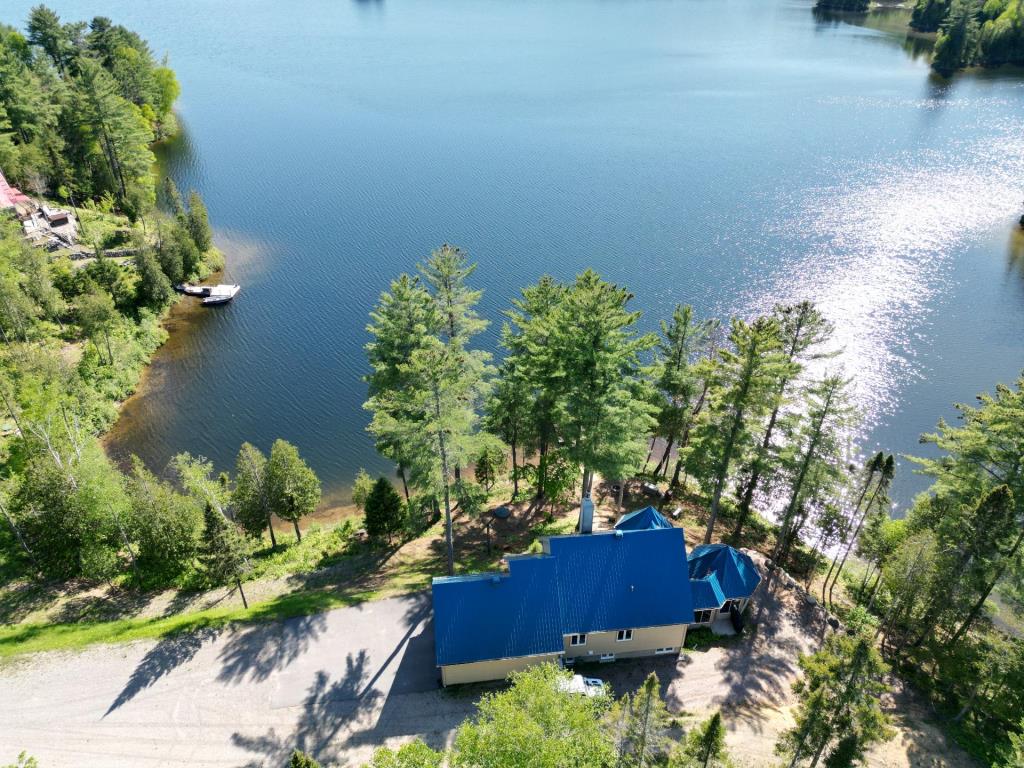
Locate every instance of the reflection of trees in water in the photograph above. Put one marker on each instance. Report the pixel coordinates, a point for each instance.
(893, 21)
(176, 157)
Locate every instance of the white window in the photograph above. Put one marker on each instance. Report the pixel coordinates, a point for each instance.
(624, 635)
(606, 657)
(664, 650)
(578, 640)
(702, 617)
(725, 608)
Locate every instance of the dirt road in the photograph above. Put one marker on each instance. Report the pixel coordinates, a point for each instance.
(341, 683)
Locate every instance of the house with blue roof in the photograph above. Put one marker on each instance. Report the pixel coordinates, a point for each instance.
(628, 592)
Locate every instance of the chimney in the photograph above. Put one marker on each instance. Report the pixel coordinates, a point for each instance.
(587, 515)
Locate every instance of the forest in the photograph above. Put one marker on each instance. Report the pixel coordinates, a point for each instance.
(968, 32)
(753, 416)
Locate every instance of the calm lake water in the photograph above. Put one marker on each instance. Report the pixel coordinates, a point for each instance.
(729, 154)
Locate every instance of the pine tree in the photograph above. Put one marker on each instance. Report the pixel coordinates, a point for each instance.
(198, 222)
(404, 320)
(222, 554)
(743, 387)
(802, 329)
(383, 510)
(603, 412)
(533, 371)
(678, 379)
(704, 747)
(647, 723)
(838, 696)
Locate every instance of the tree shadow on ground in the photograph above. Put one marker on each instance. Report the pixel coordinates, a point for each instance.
(354, 698)
(18, 601)
(254, 653)
(160, 660)
(327, 708)
(760, 670)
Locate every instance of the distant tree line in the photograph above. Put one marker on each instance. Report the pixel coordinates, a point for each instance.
(971, 32)
(79, 106)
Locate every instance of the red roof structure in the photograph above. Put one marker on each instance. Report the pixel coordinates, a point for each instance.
(10, 196)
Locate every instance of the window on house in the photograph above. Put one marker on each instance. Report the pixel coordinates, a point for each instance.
(624, 634)
(726, 606)
(578, 640)
(606, 657)
(664, 650)
(702, 617)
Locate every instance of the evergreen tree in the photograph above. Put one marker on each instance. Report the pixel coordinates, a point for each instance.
(957, 44)
(508, 412)
(153, 288)
(293, 489)
(165, 525)
(838, 697)
(814, 460)
(404, 320)
(603, 412)
(802, 329)
(533, 371)
(198, 222)
(678, 379)
(645, 729)
(173, 200)
(744, 384)
(489, 462)
(704, 747)
(384, 510)
(222, 553)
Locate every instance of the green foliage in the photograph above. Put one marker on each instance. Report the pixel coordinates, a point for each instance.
(385, 512)
(153, 288)
(302, 760)
(198, 222)
(361, 488)
(82, 109)
(222, 553)
(165, 525)
(957, 44)
(704, 747)
(24, 761)
(646, 720)
(535, 724)
(489, 463)
(415, 754)
(251, 498)
(838, 697)
(293, 489)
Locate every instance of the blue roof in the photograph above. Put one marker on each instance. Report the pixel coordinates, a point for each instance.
(622, 580)
(707, 593)
(642, 520)
(737, 575)
(497, 616)
(591, 583)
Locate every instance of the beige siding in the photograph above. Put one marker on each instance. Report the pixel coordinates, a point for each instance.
(645, 641)
(498, 669)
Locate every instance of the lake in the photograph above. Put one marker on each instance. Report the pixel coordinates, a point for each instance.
(729, 154)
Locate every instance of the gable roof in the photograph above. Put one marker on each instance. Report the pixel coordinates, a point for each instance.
(622, 579)
(737, 575)
(706, 593)
(589, 583)
(497, 615)
(642, 520)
